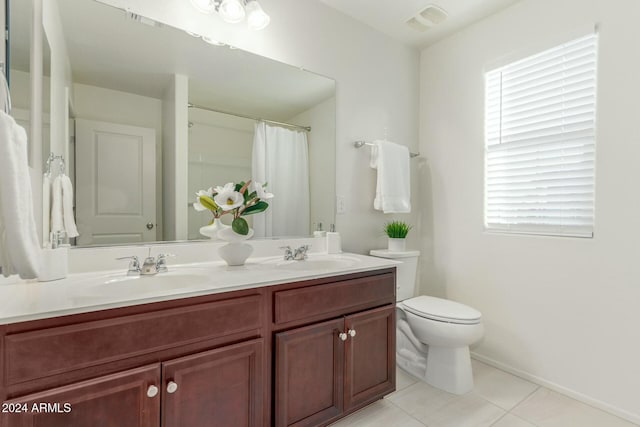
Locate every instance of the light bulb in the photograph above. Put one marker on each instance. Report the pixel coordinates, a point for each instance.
(204, 6)
(231, 11)
(256, 18)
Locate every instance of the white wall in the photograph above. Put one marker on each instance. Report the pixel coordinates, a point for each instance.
(564, 310)
(112, 106)
(377, 88)
(322, 154)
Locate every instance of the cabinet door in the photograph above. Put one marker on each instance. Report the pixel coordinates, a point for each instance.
(370, 370)
(217, 388)
(118, 400)
(309, 374)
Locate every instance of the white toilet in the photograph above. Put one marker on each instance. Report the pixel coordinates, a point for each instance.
(433, 334)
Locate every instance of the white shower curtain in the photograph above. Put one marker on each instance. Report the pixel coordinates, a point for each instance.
(281, 159)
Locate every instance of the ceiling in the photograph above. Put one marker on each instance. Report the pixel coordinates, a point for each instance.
(390, 16)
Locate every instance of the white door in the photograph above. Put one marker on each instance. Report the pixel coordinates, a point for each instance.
(115, 183)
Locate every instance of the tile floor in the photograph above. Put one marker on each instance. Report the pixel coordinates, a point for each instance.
(499, 399)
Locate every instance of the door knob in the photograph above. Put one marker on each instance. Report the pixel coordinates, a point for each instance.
(343, 336)
(352, 333)
(152, 391)
(150, 226)
(171, 387)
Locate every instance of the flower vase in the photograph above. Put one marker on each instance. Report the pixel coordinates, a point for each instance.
(211, 230)
(236, 251)
(397, 245)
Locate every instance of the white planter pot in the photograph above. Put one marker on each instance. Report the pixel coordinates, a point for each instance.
(397, 245)
(235, 253)
(211, 230)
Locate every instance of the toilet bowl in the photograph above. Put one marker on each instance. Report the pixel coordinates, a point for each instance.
(433, 335)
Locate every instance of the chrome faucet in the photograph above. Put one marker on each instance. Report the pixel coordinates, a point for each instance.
(288, 253)
(150, 266)
(298, 254)
(134, 265)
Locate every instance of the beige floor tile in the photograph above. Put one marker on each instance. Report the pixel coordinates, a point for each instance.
(379, 414)
(512, 421)
(420, 399)
(464, 411)
(499, 387)
(546, 408)
(404, 379)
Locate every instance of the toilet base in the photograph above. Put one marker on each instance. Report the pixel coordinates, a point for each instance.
(449, 369)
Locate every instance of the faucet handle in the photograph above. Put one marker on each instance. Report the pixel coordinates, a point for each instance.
(161, 262)
(134, 264)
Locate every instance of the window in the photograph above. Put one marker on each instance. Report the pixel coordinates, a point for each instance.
(540, 142)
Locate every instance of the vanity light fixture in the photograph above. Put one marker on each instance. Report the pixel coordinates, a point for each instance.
(234, 11)
(257, 19)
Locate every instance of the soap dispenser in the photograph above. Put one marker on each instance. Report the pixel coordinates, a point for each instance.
(319, 232)
(334, 242)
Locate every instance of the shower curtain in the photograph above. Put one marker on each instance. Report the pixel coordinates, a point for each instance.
(281, 159)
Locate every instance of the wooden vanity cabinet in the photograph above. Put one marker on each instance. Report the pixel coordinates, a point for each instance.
(259, 357)
(327, 369)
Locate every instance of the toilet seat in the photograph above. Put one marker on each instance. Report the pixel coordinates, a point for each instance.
(442, 310)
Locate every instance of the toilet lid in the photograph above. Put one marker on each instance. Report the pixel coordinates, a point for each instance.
(442, 310)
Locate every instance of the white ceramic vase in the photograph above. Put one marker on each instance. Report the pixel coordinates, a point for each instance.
(211, 230)
(397, 245)
(236, 251)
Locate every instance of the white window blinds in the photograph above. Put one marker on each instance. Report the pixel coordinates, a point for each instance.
(540, 142)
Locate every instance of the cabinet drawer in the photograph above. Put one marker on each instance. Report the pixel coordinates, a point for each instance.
(333, 299)
(51, 351)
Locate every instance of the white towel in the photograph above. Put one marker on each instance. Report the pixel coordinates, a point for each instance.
(57, 224)
(19, 246)
(67, 207)
(393, 188)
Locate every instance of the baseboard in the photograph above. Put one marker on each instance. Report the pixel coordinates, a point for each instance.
(629, 416)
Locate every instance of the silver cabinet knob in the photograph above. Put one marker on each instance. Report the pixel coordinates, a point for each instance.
(171, 387)
(152, 391)
(343, 336)
(150, 226)
(352, 333)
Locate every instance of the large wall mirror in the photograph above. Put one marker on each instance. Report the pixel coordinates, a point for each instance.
(145, 115)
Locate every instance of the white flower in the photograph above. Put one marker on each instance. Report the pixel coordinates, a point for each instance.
(227, 198)
(260, 191)
(197, 205)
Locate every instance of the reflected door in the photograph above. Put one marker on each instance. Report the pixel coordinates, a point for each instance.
(115, 183)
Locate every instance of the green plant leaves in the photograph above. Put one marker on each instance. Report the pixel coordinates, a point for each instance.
(397, 229)
(257, 208)
(240, 226)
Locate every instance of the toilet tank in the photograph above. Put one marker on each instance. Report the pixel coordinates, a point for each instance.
(405, 272)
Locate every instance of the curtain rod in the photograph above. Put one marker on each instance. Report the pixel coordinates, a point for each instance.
(200, 107)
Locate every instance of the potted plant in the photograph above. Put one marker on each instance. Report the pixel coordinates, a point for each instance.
(239, 200)
(397, 232)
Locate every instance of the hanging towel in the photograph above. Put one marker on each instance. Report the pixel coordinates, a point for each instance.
(19, 246)
(393, 188)
(57, 224)
(67, 207)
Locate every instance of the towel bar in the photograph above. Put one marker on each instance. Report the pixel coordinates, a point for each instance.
(359, 144)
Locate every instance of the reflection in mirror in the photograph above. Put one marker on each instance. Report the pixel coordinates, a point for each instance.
(19, 75)
(141, 152)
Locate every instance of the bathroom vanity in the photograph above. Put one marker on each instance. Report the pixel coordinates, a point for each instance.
(295, 353)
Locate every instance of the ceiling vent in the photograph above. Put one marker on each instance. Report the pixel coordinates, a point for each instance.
(427, 18)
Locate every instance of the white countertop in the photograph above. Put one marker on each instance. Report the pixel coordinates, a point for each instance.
(86, 292)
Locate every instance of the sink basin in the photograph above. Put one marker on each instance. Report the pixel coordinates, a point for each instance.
(120, 284)
(315, 263)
